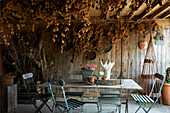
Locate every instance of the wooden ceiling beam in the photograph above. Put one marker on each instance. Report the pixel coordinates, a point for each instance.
(143, 14)
(140, 4)
(155, 14)
(165, 15)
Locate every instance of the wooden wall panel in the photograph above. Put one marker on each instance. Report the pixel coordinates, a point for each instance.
(133, 57)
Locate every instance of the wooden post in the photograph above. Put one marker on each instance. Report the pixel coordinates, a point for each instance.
(9, 98)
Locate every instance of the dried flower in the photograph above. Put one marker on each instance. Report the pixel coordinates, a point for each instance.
(53, 40)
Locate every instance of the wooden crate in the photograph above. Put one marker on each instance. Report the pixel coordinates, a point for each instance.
(9, 98)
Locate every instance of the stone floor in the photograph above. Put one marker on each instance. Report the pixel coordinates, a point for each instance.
(92, 108)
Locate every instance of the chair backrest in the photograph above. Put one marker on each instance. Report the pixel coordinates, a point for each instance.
(61, 83)
(160, 77)
(29, 84)
(27, 75)
(74, 73)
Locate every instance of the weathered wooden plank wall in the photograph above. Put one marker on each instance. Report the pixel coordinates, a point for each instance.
(132, 56)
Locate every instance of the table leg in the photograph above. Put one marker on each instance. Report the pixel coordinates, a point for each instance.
(127, 101)
(97, 100)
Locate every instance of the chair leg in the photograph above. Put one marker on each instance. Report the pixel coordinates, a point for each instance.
(151, 107)
(59, 109)
(38, 109)
(100, 107)
(81, 109)
(81, 98)
(41, 106)
(68, 111)
(137, 109)
(141, 106)
(53, 107)
(120, 109)
(48, 106)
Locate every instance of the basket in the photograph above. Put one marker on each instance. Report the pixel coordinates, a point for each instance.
(7, 80)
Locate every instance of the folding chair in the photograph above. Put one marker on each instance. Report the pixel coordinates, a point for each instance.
(142, 99)
(108, 100)
(80, 94)
(30, 86)
(115, 73)
(68, 104)
(111, 93)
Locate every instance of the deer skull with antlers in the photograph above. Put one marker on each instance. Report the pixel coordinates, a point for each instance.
(107, 68)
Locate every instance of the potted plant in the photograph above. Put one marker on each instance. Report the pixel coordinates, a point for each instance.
(90, 79)
(104, 78)
(166, 88)
(87, 70)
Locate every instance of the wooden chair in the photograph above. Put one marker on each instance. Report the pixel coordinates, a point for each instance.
(30, 86)
(142, 99)
(80, 94)
(68, 104)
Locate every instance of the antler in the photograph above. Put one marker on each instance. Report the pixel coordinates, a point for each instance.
(107, 68)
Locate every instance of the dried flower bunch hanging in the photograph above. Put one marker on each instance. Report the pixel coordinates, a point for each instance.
(68, 20)
(89, 38)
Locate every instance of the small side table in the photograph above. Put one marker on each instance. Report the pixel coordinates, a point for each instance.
(9, 98)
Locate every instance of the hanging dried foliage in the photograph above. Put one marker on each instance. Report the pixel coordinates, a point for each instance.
(81, 35)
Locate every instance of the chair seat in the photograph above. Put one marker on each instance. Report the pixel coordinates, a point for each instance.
(74, 94)
(42, 97)
(72, 103)
(110, 93)
(109, 100)
(142, 98)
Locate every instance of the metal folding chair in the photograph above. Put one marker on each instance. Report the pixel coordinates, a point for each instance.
(70, 93)
(68, 104)
(142, 99)
(108, 100)
(103, 93)
(30, 86)
(112, 100)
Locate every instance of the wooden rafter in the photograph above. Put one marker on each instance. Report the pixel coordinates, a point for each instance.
(140, 4)
(155, 14)
(143, 14)
(165, 15)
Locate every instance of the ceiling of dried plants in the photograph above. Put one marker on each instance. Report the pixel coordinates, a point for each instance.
(81, 24)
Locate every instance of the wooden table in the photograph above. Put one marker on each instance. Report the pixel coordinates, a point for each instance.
(127, 85)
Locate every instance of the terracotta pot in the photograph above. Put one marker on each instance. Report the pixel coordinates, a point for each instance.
(104, 78)
(166, 93)
(91, 79)
(142, 44)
